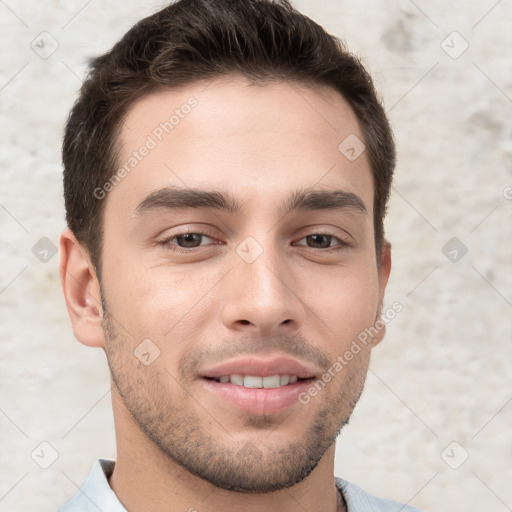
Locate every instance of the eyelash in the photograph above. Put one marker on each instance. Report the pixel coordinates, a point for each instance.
(166, 243)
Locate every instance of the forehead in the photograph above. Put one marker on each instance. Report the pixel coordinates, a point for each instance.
(257, 141)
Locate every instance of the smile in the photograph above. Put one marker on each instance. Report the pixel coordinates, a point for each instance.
(254, 381)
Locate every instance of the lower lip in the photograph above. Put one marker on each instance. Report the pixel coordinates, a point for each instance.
(258, 400)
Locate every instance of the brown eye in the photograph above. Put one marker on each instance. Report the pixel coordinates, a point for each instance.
(320, 241)
(324, 241)
(188, 240)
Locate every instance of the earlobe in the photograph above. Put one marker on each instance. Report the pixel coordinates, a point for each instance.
(81, 291)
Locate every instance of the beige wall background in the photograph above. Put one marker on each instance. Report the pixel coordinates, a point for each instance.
(434, 425)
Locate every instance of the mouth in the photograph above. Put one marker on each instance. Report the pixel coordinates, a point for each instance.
(258, 382)
(254, 394)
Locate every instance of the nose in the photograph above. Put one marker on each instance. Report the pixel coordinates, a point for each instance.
(262, 297)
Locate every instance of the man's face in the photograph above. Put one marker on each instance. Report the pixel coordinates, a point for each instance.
(267, 290)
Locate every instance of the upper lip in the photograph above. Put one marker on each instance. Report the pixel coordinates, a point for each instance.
(260, 367)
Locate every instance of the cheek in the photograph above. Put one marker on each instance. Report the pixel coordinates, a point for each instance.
(345, 300)
(162, 303)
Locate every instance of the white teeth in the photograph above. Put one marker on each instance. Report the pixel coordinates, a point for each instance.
(237, 379)
(253, 381)
(271, 382)
(284, 380)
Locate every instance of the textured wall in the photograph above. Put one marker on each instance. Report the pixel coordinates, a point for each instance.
(440, 385)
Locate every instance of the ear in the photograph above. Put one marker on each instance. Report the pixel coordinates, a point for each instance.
(384, 269)
(81, 291)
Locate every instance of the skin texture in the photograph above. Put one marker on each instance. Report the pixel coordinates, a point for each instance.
(177, 442)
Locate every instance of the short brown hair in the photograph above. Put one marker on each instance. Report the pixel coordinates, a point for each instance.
(192, 40)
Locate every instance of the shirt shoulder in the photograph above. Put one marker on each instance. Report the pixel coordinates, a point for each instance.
(359, 500)
(96, 493)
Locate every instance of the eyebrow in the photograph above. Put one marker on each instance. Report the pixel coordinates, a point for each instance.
(302, 199)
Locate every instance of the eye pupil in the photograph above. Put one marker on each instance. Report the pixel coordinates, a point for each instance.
(189, 238)
(318, 240)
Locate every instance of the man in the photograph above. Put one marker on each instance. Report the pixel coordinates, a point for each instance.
(226, 172)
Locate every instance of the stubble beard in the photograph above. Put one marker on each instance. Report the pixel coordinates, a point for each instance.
(206, 449)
